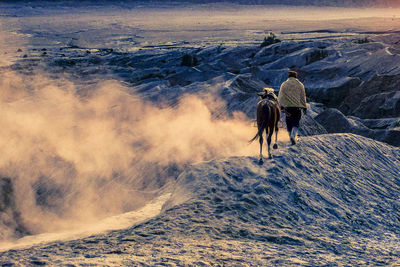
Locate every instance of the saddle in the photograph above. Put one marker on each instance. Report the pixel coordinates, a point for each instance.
(270, 97)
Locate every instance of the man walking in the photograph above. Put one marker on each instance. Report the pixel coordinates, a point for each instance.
(292, 99)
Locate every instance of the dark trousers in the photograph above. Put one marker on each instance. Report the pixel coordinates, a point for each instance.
(293, 116)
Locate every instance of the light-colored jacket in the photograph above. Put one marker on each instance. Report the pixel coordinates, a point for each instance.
(292, 94)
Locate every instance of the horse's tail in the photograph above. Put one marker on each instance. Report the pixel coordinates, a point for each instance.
(255, 137)
(260, 130)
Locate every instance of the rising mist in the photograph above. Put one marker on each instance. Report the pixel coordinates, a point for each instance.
(73, 159)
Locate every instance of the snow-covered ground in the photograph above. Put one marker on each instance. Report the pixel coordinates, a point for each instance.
(104, 129)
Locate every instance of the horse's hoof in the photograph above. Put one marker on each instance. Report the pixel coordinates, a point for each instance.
(275, 146)
(260, 162)
(270, 157)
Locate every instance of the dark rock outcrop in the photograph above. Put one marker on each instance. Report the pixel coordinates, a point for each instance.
(309, 126)
(335, 121)
(383, 105)
(334, 96)
(391, 123)
(370, 95)
(316, 55)
(189, 60)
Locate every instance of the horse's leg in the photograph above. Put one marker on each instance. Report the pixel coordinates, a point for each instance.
(269, 136)
(276, 134)
(261, 144)
(276, 139)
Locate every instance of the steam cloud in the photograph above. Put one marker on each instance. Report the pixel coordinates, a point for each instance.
(74, 159)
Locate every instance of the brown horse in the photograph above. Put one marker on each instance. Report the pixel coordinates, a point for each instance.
(268, 116)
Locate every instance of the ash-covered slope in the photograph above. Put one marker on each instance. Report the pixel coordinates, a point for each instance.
(332, 199)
